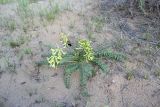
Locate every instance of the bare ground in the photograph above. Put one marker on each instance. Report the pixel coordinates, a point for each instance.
(23, 84)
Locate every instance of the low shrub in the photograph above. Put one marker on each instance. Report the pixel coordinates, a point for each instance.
(80, 58)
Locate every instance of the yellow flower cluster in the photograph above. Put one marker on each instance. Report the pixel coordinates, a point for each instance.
(64, 39)
(86, 46)
(56, 57)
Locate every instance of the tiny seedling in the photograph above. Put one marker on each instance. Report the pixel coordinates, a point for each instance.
(23, 9)
(129, 75)
(7, 65)
(142, 6)
(58, 104)
(90, 28)
(15, 43)
(27, 51)
(11, 25)
(90, 34)
(72, 25)
(158, 45)
(24, 51)
(40, 99)
(50, 13)
(25, 13)
(3, 63)
(157, 73)
(148, 50)
(18, 42)
(147, 37)
(119, 43)
(146, 76)
(12, 67)
(8, 23)
(31, 91)
(98, 23)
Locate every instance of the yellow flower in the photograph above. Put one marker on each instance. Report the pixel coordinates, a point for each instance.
(64, 39)
(86, 46)
(56, 57)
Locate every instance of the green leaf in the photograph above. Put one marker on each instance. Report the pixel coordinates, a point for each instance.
(87, 69)
(40, 63)
(101, 65)
(110, 54)
(69, 69)
(83, 82)
(67, 59)
(67, 80)
(85, 73)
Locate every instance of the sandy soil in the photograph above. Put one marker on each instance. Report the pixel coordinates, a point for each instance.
(23, 84)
